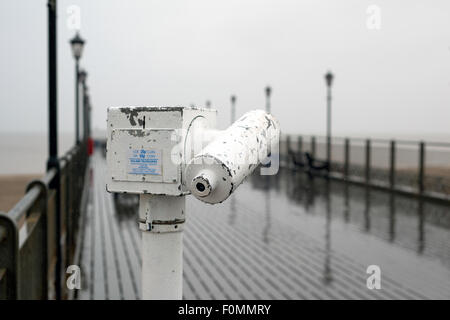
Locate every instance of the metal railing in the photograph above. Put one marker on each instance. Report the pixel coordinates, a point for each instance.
(410, 167)
(34, 250)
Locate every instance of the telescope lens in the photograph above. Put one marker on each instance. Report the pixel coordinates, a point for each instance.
(200, 187)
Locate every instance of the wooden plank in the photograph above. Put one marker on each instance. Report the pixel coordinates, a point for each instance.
(126, 275)
(85, 261)
(98, 275)
(112, 274)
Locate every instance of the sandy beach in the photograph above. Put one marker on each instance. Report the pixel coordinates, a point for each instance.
(12, 188)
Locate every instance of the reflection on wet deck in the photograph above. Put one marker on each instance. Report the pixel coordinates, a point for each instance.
(279, 237)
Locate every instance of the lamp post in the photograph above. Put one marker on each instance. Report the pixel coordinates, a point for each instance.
(208, 104)
(329, 80)
(82, 75)
(77, 44)
(86, 112)
(233, 108)
(90, 141)
(53, 162)
(268, 92)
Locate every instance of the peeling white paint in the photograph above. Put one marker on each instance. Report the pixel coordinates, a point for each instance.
(223, 164)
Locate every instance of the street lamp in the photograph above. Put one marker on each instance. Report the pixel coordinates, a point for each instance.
(82, 75)
(268, 92)
(77, 44)
(329, 80)
(233, 108)
(208, 104)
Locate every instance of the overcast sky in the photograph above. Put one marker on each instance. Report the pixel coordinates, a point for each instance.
(395, 79)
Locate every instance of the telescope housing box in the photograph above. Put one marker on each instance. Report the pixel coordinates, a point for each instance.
(147, 147)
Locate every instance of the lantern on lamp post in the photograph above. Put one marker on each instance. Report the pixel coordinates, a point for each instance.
(233, 108)
(77, 45)
(268, 93)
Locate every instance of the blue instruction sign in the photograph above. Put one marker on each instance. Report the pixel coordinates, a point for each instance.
(144, 161)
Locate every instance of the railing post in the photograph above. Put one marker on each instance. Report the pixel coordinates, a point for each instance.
(421, 226)
(84, 87)
(391, 217)
(392, 166)
(329, 151)
(300, 144)
(288, 152)
(313, 146)
(9, 257)
(233, 109)
(367, 202)
(347, 157)
(67, 182)
(421, 167)
(42, 203)
(367, 169)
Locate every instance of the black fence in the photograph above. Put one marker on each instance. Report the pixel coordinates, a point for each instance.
(409, 167)
(34, 249)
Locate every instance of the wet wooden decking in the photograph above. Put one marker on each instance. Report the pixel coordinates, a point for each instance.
(265, 244)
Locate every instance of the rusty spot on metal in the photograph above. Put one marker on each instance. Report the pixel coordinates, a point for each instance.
(168, 222)
(131, 114)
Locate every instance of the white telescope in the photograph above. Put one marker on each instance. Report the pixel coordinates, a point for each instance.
(166, 153)
(217, 170)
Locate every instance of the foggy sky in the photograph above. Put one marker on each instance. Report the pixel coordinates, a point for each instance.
(394, 80)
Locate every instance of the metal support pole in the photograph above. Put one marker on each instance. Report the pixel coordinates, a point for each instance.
(421, 227)
(367, 171)
(85, 113)
(313, 146)
(88, 101)
(53, 136)
(288, 143)
(329, 152)
(77, 96)
(391, 217)
(392, 166)
(328, 274)
(83, 107)
(329, 124)
(346, 157)
(329, 80)
(162, 219)
(421, 167)
(300, 144)
(367, 202)
(268, 93)
(52, 87)
(233, 109)
(346, 202)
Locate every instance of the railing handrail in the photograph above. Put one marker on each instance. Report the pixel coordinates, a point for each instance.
(417, 185)
(377, 140)
(61, 207)
(29, 199)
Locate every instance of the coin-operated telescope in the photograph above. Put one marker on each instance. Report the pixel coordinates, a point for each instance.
(166, 153)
